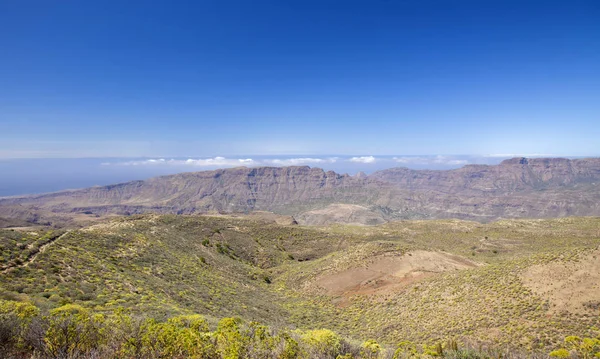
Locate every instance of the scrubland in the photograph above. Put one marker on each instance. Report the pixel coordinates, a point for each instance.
(168, 286)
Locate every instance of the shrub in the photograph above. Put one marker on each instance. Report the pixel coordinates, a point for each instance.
(370, 349)
(195, 322)
(290, 347)
(322, 342)
(181, 336)
(405, 349)
(73, 331)
(560, 353)
(231, 343)
(585, 348)
(9, 335)
(15, 318)
(262, 343)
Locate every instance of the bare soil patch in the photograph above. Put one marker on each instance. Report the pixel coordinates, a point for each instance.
(387, 274)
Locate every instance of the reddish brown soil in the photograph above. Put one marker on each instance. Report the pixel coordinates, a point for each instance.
(384, 275)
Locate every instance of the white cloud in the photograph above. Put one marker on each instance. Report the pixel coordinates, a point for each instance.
(205, 162)
(445, 160)
(218, 161)
(437, 160)
(412, 160)
(225, 162)
(363, 159)
(300, 161)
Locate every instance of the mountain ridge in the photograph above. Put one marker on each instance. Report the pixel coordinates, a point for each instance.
(518, 187)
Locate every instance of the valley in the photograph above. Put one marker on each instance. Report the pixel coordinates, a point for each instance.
(518, 285)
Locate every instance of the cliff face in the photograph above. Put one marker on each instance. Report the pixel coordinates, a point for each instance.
(237, 189)
(517, 187)
(517, 174)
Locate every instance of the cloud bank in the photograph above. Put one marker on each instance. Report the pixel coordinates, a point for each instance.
(363, 159)
(224, 162)
(435, 160)
(300, 161)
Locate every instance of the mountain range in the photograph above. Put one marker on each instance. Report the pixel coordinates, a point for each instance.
(515, 188)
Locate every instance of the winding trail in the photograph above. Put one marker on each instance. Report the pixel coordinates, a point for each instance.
(31, 257)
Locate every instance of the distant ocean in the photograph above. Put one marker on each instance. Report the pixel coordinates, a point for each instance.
(31, 176)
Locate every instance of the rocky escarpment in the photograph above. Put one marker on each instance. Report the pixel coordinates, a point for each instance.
(517, 174)
(228, 190)
(518, 187)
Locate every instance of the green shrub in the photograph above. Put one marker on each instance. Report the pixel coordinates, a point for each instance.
(262, 343)
(291, 348)
(73, 331)
(322, 342)
(405, 349)
(560, 353)
(231, 343)
(370, 349)
(585, 348)
(183, 336)
(15, 318)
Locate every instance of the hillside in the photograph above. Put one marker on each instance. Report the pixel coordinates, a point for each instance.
(505, 283)
(13, 222)
(517, 188)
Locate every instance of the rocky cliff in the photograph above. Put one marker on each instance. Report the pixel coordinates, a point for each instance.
(517, 187)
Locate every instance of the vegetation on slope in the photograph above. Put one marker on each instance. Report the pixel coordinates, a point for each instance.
(72, 331)
(167, 266)
(17, 247)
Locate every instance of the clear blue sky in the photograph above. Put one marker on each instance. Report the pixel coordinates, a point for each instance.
(373, 77)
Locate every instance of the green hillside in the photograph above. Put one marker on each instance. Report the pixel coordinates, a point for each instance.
(499, 285)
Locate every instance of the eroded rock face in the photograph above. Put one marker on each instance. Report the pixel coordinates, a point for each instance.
(515, 174)
(517, 187)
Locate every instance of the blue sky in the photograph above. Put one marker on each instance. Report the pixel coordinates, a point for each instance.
(239, 78)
